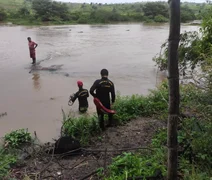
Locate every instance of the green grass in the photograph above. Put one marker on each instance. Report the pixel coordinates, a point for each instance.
(81, 128)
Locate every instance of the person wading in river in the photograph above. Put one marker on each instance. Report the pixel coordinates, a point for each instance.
(32, 47)
(82, 96)
(104, 88)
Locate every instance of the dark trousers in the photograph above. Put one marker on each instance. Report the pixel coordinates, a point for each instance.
(101, 117)
(83, 109)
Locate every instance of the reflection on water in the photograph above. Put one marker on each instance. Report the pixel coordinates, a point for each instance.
(36, 81)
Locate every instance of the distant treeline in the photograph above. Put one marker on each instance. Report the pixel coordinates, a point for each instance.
(35, 11)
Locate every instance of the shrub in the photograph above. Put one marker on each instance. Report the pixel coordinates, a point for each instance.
(6, 160)
(160, 19)
(17, 138)
(3, 14)
(81, 128)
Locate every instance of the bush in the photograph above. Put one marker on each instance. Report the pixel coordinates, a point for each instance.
(17, 138)
(6, 161)
(3, 14)
(160, 19)
(81, 128)
(130, 107)
(131, 165)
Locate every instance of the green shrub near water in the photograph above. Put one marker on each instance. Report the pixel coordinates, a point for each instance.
(130, 107)
(17, 138)
(6, 160)
(8, 154)
(81, 128)
(131, 165)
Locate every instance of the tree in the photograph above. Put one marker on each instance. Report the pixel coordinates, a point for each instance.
(48, 10)
(42, 9)
(23, 11)
(187, 14)
(3, 14)
(152, 9)
(174, 100)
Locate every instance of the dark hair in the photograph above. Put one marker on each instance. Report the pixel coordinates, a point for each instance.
(29, 38)
(104, 72)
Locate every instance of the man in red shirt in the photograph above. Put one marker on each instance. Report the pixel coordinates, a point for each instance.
(32, 46)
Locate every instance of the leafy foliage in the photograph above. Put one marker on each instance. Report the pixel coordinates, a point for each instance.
(3, 14)
(153, 9)
(130, 107)
(17, 138)
(195, 53)
(48, 10)
(6, 160)
(81, 128)
(187, 14)
(131, 165)
(32, 11)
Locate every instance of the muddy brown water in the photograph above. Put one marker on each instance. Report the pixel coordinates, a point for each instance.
(34, 100)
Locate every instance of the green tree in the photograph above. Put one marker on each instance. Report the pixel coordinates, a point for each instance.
(195, 50)
(23, 11)
(3, 14)
(48, 10)
(159, 18)
(152, 9)
(187, 14)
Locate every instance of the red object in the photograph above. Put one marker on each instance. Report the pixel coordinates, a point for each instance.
(100, 106)
(79, 83)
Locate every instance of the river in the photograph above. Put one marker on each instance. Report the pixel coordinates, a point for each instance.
(34, 100)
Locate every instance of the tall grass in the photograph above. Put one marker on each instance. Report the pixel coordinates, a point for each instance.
(81, 128)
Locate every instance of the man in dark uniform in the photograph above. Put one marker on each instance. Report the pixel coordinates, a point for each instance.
(82, 96)
(104, 87)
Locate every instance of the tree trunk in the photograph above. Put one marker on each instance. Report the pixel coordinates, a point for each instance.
(173, 76)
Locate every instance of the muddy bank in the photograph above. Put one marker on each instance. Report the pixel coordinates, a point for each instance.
(105, 146)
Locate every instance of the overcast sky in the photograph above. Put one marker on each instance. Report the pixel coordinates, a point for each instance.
(120, 1)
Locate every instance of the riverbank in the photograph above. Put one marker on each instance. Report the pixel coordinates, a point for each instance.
(24, 22)
(140, 134)
(98, 154)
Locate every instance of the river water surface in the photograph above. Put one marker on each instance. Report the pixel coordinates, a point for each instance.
(34, 100)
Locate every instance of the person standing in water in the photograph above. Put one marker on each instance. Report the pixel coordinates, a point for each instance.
(104, 88)
(82, 96)
(32, 47)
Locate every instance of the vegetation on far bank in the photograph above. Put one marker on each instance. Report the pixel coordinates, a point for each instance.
(37, 12)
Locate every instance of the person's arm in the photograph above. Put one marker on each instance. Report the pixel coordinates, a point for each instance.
(75, 97)
(87, 94)
(113, 94)
(35, 45)
(93, 88)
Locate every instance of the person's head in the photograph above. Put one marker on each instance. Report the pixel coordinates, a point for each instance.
(104, 73)
(80, 84)
(29, 39)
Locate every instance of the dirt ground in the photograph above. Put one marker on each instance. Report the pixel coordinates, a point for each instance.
(112, 142)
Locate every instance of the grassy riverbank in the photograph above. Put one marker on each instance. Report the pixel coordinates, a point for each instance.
(194, 137)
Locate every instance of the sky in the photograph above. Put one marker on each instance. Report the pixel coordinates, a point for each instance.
(121, 1)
